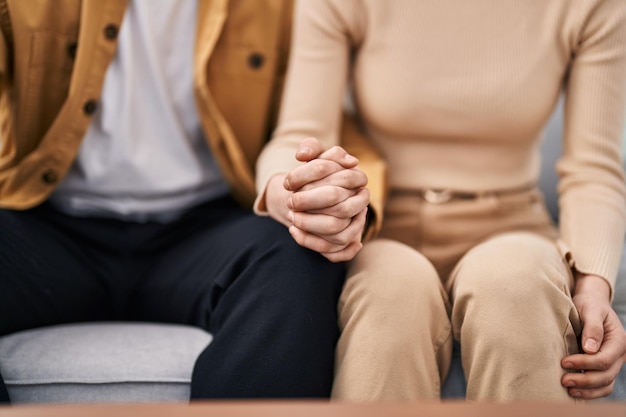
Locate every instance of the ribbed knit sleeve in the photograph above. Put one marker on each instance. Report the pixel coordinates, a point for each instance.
(592, 195)
(314, 88)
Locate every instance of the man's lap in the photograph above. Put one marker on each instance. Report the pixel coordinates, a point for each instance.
(58, 268)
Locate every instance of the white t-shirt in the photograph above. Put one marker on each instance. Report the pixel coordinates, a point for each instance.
(144, 156)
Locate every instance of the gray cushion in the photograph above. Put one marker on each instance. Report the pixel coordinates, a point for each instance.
(101, 362)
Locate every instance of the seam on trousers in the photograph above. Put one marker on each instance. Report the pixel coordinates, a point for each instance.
(443, 336)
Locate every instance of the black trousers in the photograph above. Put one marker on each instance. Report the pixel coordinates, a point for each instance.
(269, 303)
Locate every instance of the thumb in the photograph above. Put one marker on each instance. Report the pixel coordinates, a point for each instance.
(309, 149)
(593, 331)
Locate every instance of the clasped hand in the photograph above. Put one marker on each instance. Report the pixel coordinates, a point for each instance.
(323, 202)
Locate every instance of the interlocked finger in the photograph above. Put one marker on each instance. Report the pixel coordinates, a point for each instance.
(319, 198)
(312, 171)
(348, 208)
(346, 178)
(318, 224)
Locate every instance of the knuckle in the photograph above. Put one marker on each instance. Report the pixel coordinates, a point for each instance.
(335, 226)
(339, 240)
(334, 194)
(604, 363)
(343, 210)
(326, 247)
(336, 150)
(357, 177)
(319, 169)
(345, 176)
(607, 381)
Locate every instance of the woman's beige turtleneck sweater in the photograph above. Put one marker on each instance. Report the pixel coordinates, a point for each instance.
(455, 94)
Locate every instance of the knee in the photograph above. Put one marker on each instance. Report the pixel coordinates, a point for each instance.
(389, 276)
(273, 263)
(509, 282)
(276, 249)
(512, 269)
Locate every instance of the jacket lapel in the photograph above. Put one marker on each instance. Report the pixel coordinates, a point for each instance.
(211, 17)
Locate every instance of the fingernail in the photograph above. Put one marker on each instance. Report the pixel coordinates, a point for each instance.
(286, 184)
(290, 203)
(349, 158)
(568, 365)
(570, 384)
(591, 345)
(290, 216)
(303, 151)
(577, 394)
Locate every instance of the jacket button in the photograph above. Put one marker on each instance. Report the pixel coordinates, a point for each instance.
(110, 31)
(256, 60)
(90, 107)
(49, 177)
(71, 49)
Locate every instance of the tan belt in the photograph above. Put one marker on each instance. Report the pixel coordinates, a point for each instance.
(445, 195)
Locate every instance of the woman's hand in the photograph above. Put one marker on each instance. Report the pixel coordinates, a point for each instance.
(323, 202)
(592, 373)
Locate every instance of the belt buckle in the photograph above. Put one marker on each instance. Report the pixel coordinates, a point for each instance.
(437, 196)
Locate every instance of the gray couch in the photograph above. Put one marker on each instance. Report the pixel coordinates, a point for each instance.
(139, 362)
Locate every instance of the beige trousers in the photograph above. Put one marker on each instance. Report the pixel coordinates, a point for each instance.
(487, 272)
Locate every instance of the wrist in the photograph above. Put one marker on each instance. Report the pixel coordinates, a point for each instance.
(276, 199)
(592, 285)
